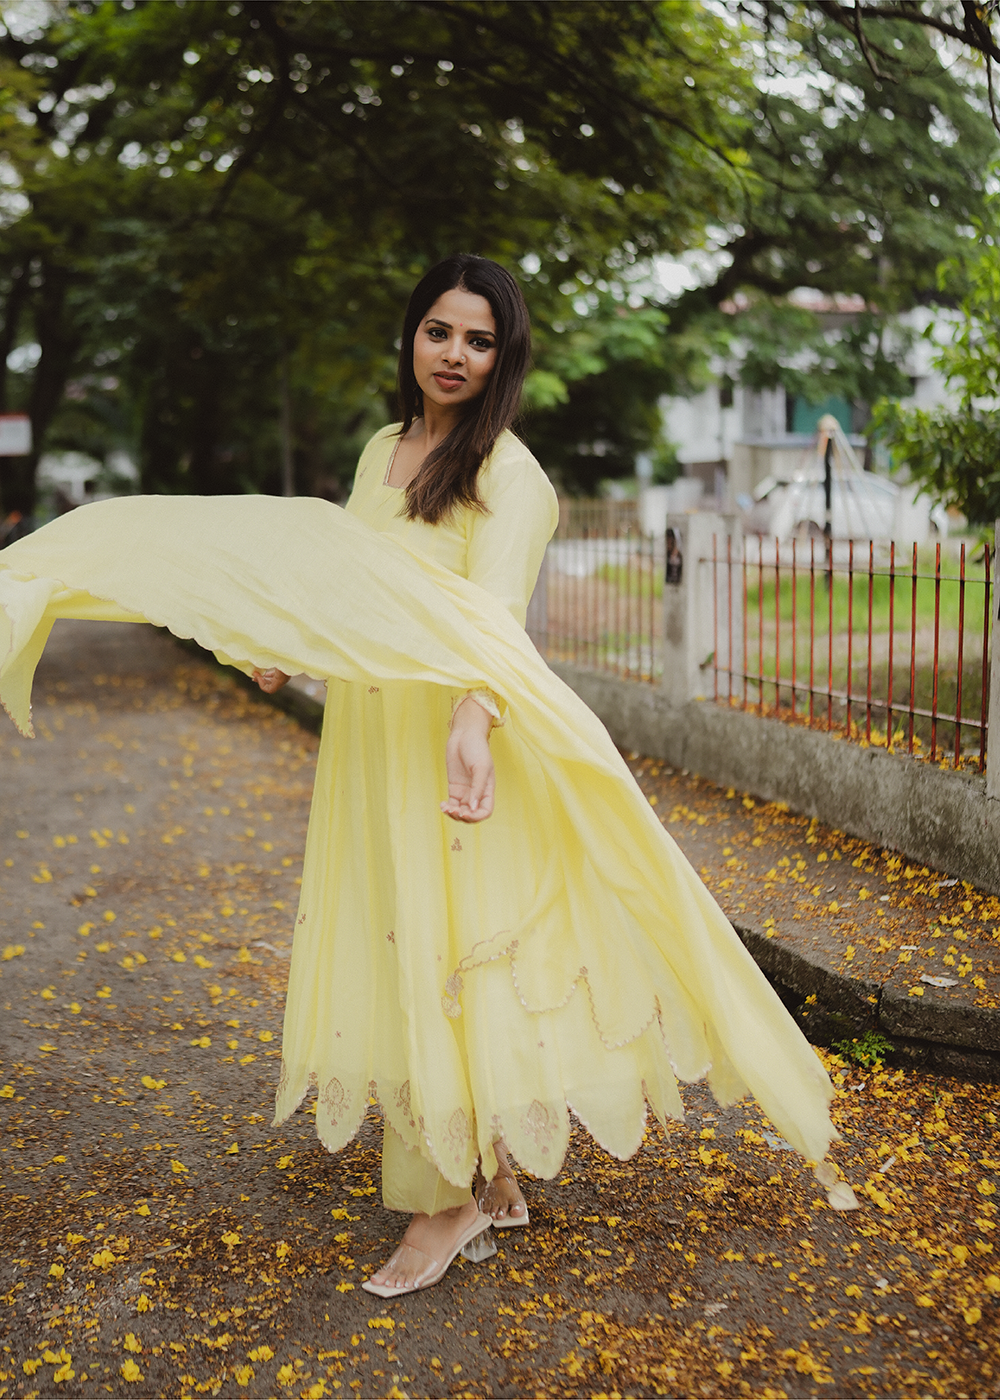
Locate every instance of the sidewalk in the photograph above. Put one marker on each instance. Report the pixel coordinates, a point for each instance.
(861, 941)
(159, 1237)
(869, 950)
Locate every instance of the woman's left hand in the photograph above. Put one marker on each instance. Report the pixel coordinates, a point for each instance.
(270, 680)
(471, 777)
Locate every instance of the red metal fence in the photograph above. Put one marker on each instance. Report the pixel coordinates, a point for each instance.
(887, 644)
(599, 601)
(883, 643)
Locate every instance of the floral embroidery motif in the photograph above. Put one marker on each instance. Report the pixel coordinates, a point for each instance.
(402, 1097)
(336, 1100)
(390, 937)
(302, 918)
(452, 991)
(458, 1134)
(540, 1125)
(456, 845)
(373, 690)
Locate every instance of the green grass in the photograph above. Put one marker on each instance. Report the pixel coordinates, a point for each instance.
(880, 590)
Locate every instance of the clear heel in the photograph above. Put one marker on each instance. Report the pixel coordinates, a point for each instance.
(482, 1247)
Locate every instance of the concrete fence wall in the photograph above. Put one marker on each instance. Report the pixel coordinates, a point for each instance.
(945, 819)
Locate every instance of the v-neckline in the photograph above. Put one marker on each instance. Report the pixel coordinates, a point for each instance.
(388, 470)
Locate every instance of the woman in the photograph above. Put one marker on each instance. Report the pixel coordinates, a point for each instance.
(455, 484)
(538, 943)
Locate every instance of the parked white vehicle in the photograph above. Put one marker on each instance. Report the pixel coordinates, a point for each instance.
(863, 506)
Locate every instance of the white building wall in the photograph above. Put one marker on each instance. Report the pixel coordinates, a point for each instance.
(702, 430)
(750, 437)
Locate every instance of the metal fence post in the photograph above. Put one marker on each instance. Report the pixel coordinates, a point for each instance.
(688, 636)
(993, 732)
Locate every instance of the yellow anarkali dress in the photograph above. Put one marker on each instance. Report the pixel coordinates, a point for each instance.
(479, 980)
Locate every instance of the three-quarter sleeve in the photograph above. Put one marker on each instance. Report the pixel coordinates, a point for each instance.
(506, 546)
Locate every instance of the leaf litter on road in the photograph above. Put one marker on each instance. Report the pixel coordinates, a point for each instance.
(160, 1238)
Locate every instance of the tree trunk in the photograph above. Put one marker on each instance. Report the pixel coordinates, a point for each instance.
(16, 297)
(287, 461)
(17, 474)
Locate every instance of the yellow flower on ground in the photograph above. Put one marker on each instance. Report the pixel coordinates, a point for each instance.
(286, 1374)
(230, 1238)
(143, 1304)
(178, 1168)
(130, 1371)
(56, 1271)
(243, 1375)
(132, 1342)
(261, 1353)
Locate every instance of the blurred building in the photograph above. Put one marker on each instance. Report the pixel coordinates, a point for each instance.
(733, 441)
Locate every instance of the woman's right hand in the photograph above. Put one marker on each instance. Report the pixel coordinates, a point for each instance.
(270, 680)
(471, 777)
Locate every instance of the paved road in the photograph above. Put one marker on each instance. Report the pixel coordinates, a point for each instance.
(158, 1237)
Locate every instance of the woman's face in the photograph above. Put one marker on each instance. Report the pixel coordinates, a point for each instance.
(454, 349)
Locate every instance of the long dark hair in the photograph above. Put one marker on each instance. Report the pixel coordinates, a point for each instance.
(448, 476)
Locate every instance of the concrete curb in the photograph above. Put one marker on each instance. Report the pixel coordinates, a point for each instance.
(925, 1032)
(940, 818)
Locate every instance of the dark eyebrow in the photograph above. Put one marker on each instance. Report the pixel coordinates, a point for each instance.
(436, 321)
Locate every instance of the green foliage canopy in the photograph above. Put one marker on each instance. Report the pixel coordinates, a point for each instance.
(211, 200)
(955, 452)
(219, 190)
